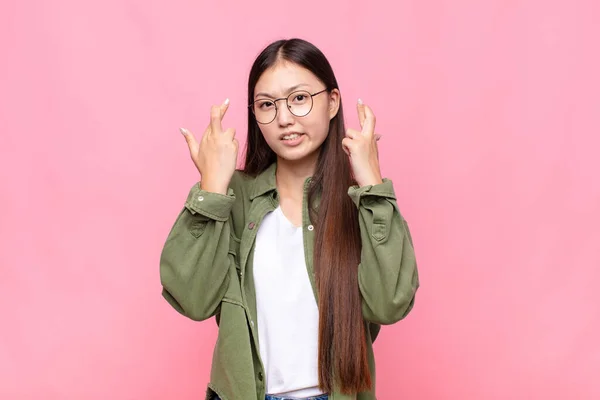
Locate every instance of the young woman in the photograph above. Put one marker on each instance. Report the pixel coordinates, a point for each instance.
(300, 256)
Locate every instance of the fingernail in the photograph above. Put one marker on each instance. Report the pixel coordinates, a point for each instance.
(183, 131)
(226, 101)
(360, 101)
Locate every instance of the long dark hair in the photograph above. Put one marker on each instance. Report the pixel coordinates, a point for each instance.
(343, 362)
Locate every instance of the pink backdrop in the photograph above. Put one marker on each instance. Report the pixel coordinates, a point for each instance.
(490, 116)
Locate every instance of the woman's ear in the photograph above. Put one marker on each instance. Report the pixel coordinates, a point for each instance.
(334, 103)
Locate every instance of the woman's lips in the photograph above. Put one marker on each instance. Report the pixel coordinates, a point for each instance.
(295, 140)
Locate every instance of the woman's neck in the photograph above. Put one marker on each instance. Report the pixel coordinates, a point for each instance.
(291, 175)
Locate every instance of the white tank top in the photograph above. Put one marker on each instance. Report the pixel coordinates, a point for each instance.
(288, 318)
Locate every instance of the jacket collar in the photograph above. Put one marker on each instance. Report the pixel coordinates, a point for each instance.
(264, 182)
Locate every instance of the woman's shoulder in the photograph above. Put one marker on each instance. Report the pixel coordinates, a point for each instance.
(248, 186)
(241, 183)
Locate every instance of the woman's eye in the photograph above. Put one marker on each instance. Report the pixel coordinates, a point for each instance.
(300, 97)
(266, 104)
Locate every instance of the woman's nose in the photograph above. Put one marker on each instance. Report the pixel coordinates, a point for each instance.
(284, 115)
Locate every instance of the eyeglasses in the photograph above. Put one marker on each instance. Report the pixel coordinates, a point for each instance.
(299, 103)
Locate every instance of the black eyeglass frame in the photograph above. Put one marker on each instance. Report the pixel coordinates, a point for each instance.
(251, 105)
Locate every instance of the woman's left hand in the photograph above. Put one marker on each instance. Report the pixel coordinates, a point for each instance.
(361, 147)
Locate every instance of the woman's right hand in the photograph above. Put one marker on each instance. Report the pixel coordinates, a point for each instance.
(216, 154)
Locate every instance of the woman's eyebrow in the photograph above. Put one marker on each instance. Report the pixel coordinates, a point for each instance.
(288, 91)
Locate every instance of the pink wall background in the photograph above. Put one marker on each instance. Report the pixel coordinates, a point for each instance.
(491, 121)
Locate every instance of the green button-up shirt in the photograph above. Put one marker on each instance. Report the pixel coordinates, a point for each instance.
(207, 261)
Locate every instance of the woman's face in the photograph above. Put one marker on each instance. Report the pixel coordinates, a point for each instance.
(290, 136)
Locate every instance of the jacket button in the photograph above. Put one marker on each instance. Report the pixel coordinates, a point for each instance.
(310, 227)
(200, 198)
(260, 376)
(251, 225)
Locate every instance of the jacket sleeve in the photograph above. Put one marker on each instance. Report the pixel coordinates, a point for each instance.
(387, 274)
(194, 262)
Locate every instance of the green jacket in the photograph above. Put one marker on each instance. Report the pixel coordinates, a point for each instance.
(206, 270)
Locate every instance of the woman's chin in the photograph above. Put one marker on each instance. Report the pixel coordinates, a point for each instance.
(295, 154)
